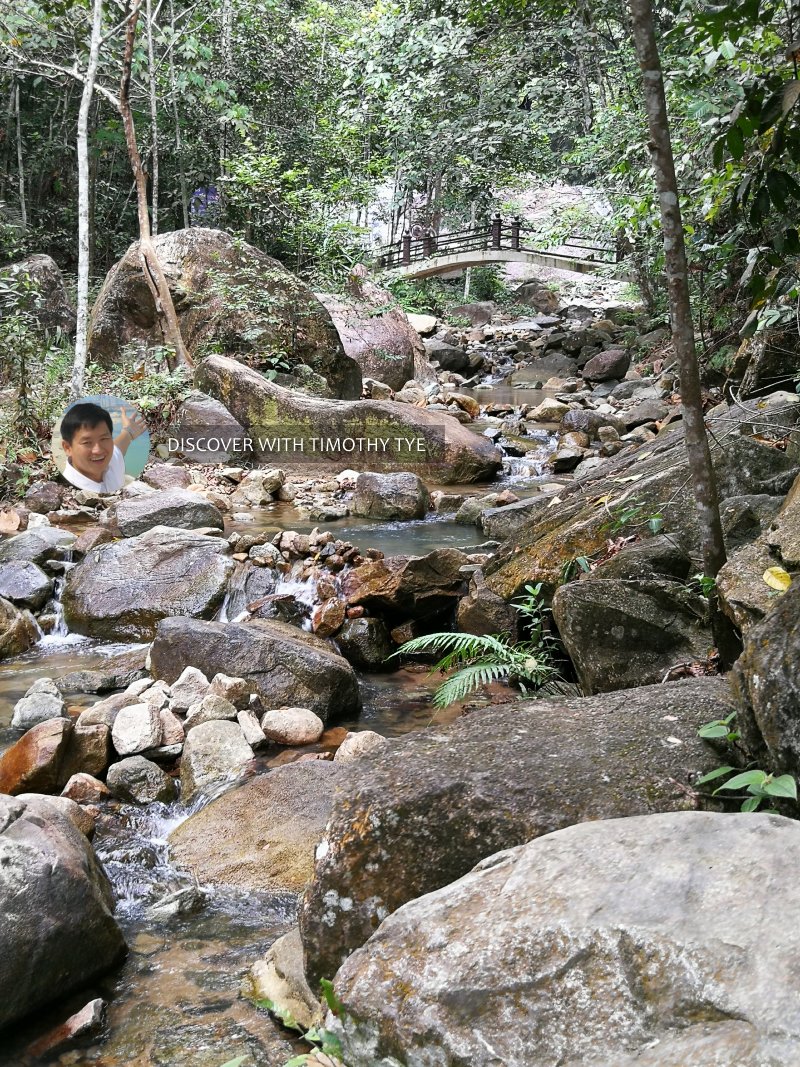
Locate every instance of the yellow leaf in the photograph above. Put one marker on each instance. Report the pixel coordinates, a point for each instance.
(602, 500)
(777, 578)
(555, 500)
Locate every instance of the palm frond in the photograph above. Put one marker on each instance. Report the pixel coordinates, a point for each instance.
(465, 645)
(467, 680)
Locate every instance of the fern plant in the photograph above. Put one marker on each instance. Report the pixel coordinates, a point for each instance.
(480, 660)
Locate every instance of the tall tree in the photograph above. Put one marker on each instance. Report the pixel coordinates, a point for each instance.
(151, 265)
(677, 271)
(82, 302)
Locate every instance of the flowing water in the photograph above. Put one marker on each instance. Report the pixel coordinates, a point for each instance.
(175, 1002)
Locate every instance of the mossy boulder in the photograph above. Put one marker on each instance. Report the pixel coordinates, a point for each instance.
(229, 297)
(374, 435)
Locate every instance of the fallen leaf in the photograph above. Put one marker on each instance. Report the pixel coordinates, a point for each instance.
(10, 521)
(777, 578)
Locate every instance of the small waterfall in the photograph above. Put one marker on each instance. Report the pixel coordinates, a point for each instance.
(303, 590)
(135, 855)
(60, 629)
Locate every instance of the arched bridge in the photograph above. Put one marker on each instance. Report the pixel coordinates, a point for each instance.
(429, 253)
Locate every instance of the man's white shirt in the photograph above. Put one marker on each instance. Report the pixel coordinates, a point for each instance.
(113, 479)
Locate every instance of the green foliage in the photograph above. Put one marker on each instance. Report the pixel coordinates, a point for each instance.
(719, 729)
(706, 584)
(758, 785)
(480, 660)
(633, 514)
(571, 568)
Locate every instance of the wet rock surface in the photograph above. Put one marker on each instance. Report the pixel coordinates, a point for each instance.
(57, 906)
(280, 819)
(421, 812)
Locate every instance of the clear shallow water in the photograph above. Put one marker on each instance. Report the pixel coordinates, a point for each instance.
(175, 1001)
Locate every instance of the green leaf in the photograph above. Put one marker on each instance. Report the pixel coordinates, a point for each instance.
(747, 778)
(717, 773)
(751, 804)
(778, 189)
(785, 786)
(735, 142)
(656, 524)
(713, 729)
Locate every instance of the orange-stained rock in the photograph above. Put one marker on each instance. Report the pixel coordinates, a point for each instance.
(33, 764)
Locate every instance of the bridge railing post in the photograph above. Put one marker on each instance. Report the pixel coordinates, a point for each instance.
(427, 244)
(405, 249)
(515, 225)
(497, 230)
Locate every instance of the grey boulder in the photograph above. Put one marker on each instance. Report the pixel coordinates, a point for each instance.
(122, 590)
(659, 940)
(177, 508)
(58, 930)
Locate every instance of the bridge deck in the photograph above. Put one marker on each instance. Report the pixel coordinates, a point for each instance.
(427, 268)
(432, 253)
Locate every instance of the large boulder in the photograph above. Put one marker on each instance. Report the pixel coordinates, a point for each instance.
(18, 630)
(58, 931)
(376, 333)
(620, 634)
(784, 534)
(201, 416)
(424, 810)
(403, 587)
(52, 308)
(176, 508)
(285, 665)
(122, 590)
(766, 681)
(650, 941)
(279, 817)
(651, 480)
(385, 435)
(227, 293)
(390, 496)
(35, 763)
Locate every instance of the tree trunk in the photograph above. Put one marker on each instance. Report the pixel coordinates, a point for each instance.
(79, 363)
(151, 79)
(702, 471)
(178, 133)
(151, 266)
(23, 206)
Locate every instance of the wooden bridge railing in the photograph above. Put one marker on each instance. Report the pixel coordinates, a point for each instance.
(498, 235)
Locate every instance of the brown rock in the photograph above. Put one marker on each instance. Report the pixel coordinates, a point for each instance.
(328, 617)
(167, 476)
(18, 630)
(91, 537)
(84, 789)
(33, 764)
(88, 749)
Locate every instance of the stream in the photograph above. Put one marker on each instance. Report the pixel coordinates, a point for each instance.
(176, 999)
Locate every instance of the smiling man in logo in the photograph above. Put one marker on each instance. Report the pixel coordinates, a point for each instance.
(95, 458)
